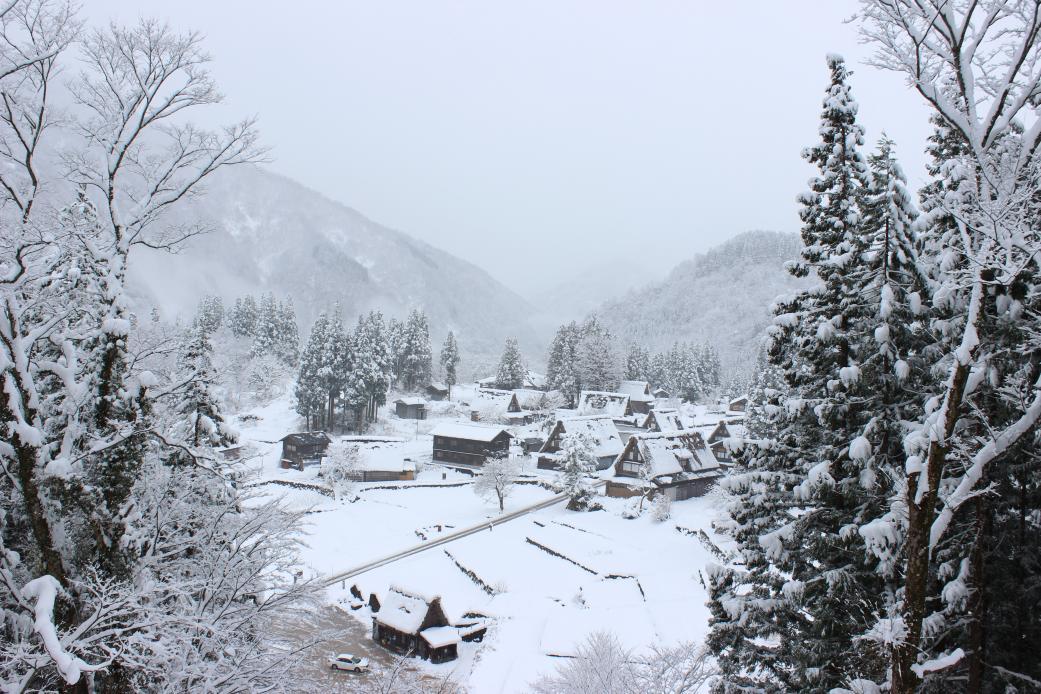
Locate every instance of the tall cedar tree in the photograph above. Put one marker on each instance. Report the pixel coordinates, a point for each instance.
(511, 366)
(450, 359)
(201, 422)
(806, 502)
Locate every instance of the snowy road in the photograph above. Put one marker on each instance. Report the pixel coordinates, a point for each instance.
(451, 537)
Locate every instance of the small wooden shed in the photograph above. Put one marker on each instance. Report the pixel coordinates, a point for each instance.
(437, 391)
(408, 622)
(305, 448)
(410, 408)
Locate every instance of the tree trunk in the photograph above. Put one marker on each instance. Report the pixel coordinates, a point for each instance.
(977, 602)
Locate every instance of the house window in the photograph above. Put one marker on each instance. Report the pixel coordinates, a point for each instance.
(631, 468)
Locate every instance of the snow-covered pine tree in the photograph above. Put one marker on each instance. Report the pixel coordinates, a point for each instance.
(371, 377)
(199, 419)
(637, 363)
(577, 465)
(766, 392)
(511, 370)
(210, 314)
(416, 359)
(450, 359)
(562, 372)
(685, 364)
(598, 364)
(807, 503)
(288, 345)
(310, 395)
(267, 330)
(243, 318)
(660, 373)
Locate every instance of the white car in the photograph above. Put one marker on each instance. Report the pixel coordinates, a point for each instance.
(351, 663)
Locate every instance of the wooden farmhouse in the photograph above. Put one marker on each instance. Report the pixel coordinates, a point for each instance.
(594, 402)
(306, 448)
(469, 444)
(408, 622)
(491, 405)
(716, 437)
(599, 429)
(663, 420)
(410, 408)
(661, 393)
(437, 391)
(532, 381)
(678, 464)
(640, 397)
(739, 404)
(381, 459)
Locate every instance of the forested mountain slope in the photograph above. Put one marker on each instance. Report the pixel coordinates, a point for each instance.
(722, 297)
(269, 233)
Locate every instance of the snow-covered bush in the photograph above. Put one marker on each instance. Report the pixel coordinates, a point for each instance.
(661, 508)
(340, 469)
(603, 666)
(633, 508)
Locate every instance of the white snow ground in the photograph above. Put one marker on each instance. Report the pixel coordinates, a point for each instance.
(637, 578)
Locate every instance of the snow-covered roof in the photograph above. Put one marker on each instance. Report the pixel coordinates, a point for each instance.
(601, 431)
(473, 432)
(384, 456)
(438, 386)
(674, 452)
(438, 637)
(638, 391)
(411, 401)
(308, 438)
(403, 610)
(739, 399)
(493, 399)
(667, 420)
(602, 402)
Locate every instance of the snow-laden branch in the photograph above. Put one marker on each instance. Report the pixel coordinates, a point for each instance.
(45, 589)
(994, 448)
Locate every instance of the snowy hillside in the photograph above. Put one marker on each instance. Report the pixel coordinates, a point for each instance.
(269, 233)
(722, 297)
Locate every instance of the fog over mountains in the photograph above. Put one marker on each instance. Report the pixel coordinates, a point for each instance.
(270, 233)
(722, 297)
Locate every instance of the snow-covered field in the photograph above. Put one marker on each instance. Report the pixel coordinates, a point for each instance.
(546, 579)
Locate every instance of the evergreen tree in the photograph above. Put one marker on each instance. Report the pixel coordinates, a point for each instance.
(288, 348)
(416, 356)
(765, 393)
(577, 464)
(637, 363)
(243, 318)
(209, 316)
(660, 374)
(372, 371)
(807, 502)
(310, 394)
(511, 367)
(598, 365)
(200, 421)
(266, 333)
(562, 372)
(450, 359)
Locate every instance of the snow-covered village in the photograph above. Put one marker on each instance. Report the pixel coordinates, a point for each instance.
(493, 348)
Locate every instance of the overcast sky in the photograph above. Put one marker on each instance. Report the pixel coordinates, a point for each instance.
(546, 134)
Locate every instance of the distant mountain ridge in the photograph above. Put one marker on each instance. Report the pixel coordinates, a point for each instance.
(270, 233)
(722, 297)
